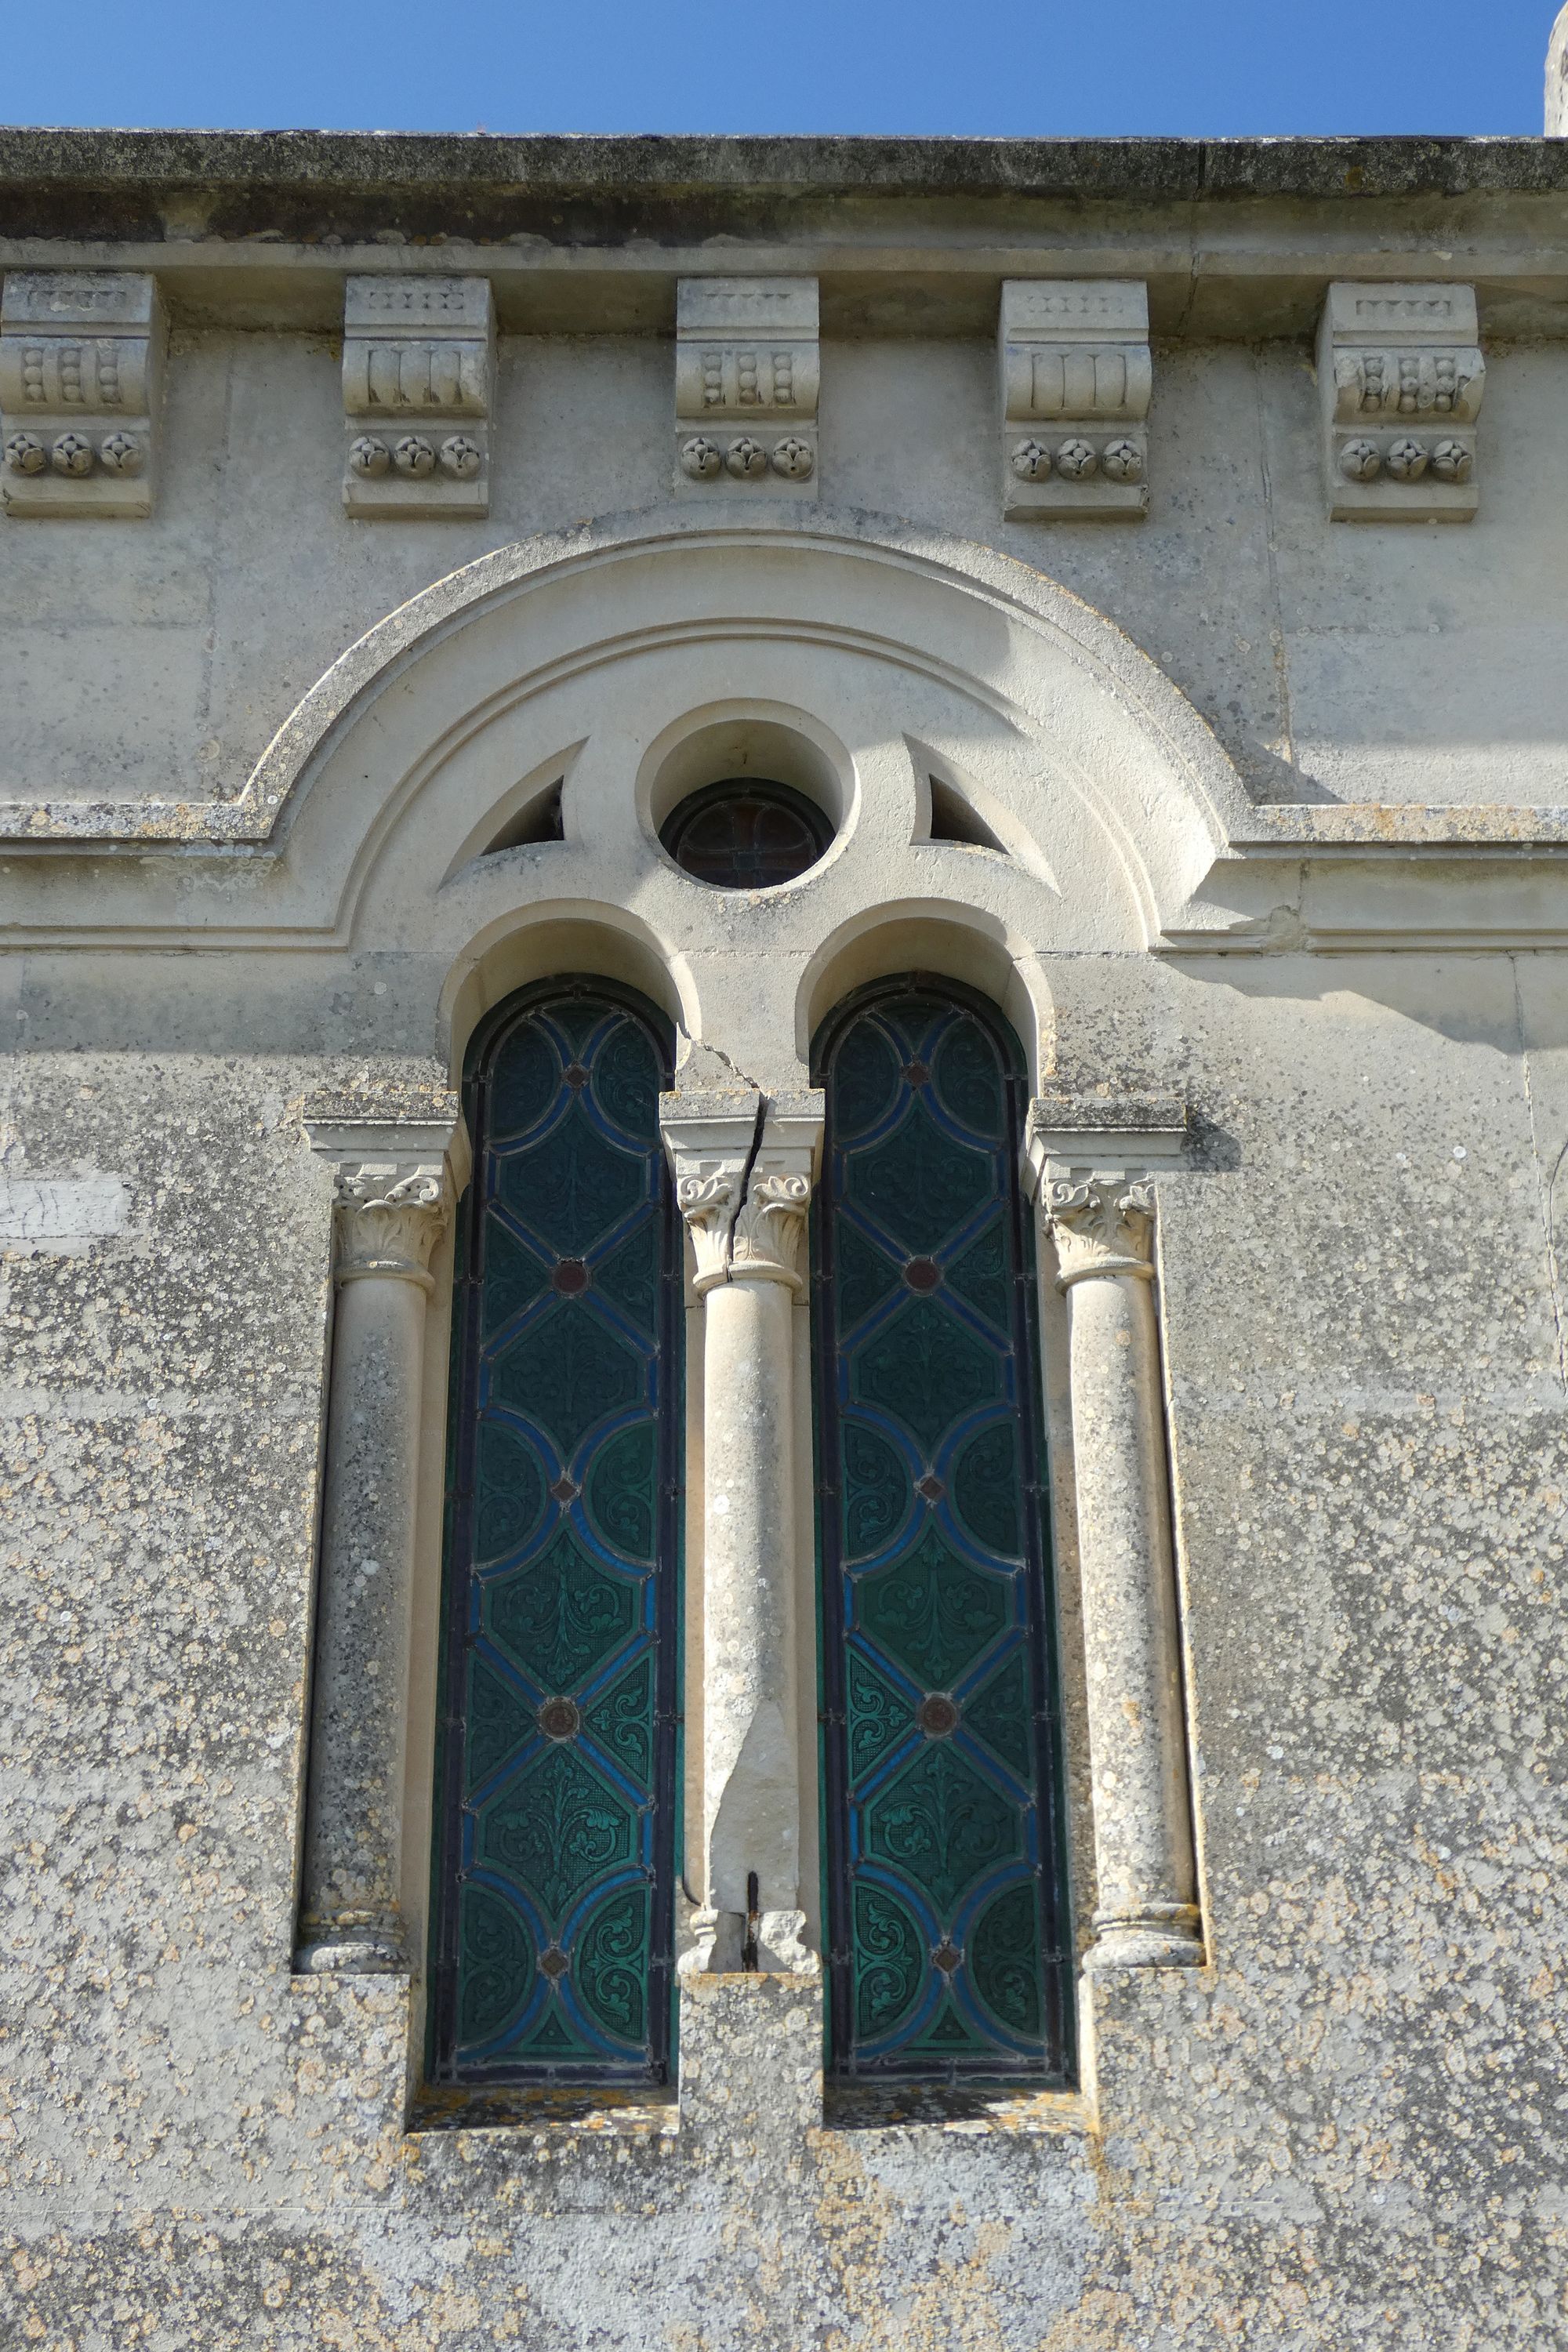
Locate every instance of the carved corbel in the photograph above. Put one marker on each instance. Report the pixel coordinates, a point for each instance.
(747, 368)
(81, 355)
(1400, 380)
(419, 365)
(1076, 380)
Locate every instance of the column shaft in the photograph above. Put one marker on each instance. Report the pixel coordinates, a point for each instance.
(743, 1184)
(389, 1216)
(1146, 1914)
(751, 1765)
(353, 1836)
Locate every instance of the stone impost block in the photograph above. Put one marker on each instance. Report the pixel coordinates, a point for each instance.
(1400, 379)
(81, 355)
(747, 369)
(1076, 377)
(1071, 1137)
(418, 366)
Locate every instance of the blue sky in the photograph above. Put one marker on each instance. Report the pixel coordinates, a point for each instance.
(1221, 68)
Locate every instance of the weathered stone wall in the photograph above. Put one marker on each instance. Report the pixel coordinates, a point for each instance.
(1348, 2126)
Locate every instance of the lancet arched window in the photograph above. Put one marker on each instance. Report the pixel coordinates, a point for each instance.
(947, 1914)
(556, 1830)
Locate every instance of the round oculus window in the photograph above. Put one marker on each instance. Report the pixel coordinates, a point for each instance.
(746, 833)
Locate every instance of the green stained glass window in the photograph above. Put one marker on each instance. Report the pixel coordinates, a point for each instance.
(942, 1765)
(555, 1857)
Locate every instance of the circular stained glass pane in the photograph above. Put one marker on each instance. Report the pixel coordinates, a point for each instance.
(746, 833)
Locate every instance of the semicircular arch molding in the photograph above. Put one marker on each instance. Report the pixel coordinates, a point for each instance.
(440, 711)
(401, 812)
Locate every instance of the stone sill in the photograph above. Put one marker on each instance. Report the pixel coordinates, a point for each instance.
(968, 2110)
(592, 2111)
(594, 2115)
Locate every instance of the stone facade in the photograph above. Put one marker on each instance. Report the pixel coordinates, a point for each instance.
(1246, 807)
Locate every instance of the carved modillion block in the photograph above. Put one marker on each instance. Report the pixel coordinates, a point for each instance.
(81, 355)
(1076, 380)
(747, 369)
(1400, 379)
(418, 367)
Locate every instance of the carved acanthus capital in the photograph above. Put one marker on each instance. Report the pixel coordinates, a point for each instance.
(391, 1214)
(1100, 1228)
(400, 1155)
(768, 1241)
(708, 1205)
(710, 1139)
(743, 1175)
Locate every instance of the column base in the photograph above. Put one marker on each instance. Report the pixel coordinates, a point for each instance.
(714, 1941)
(355, 1944)
(715, 1945)
(1159, 1936)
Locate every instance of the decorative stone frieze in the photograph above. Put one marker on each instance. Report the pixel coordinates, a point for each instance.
(1100, 1213)
(743, 1176)
(418, 366)
(747, 369)
(1400, 380)
(1076, 382)
(81, 356)
(399, 1164)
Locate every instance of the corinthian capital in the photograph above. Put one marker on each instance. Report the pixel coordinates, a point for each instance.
(391, 1214)
(709, 1141)
(770, 1231)
(708, 1205)
(743, 1173)
(400, 1154)
(1101, 1228)
(769, 1243)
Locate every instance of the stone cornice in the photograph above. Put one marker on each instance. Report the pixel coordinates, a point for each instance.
(234, 163)
(1235, 238)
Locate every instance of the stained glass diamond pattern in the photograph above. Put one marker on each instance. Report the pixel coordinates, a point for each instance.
(934, 1588)
(925, 1369)
(555, 1898)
